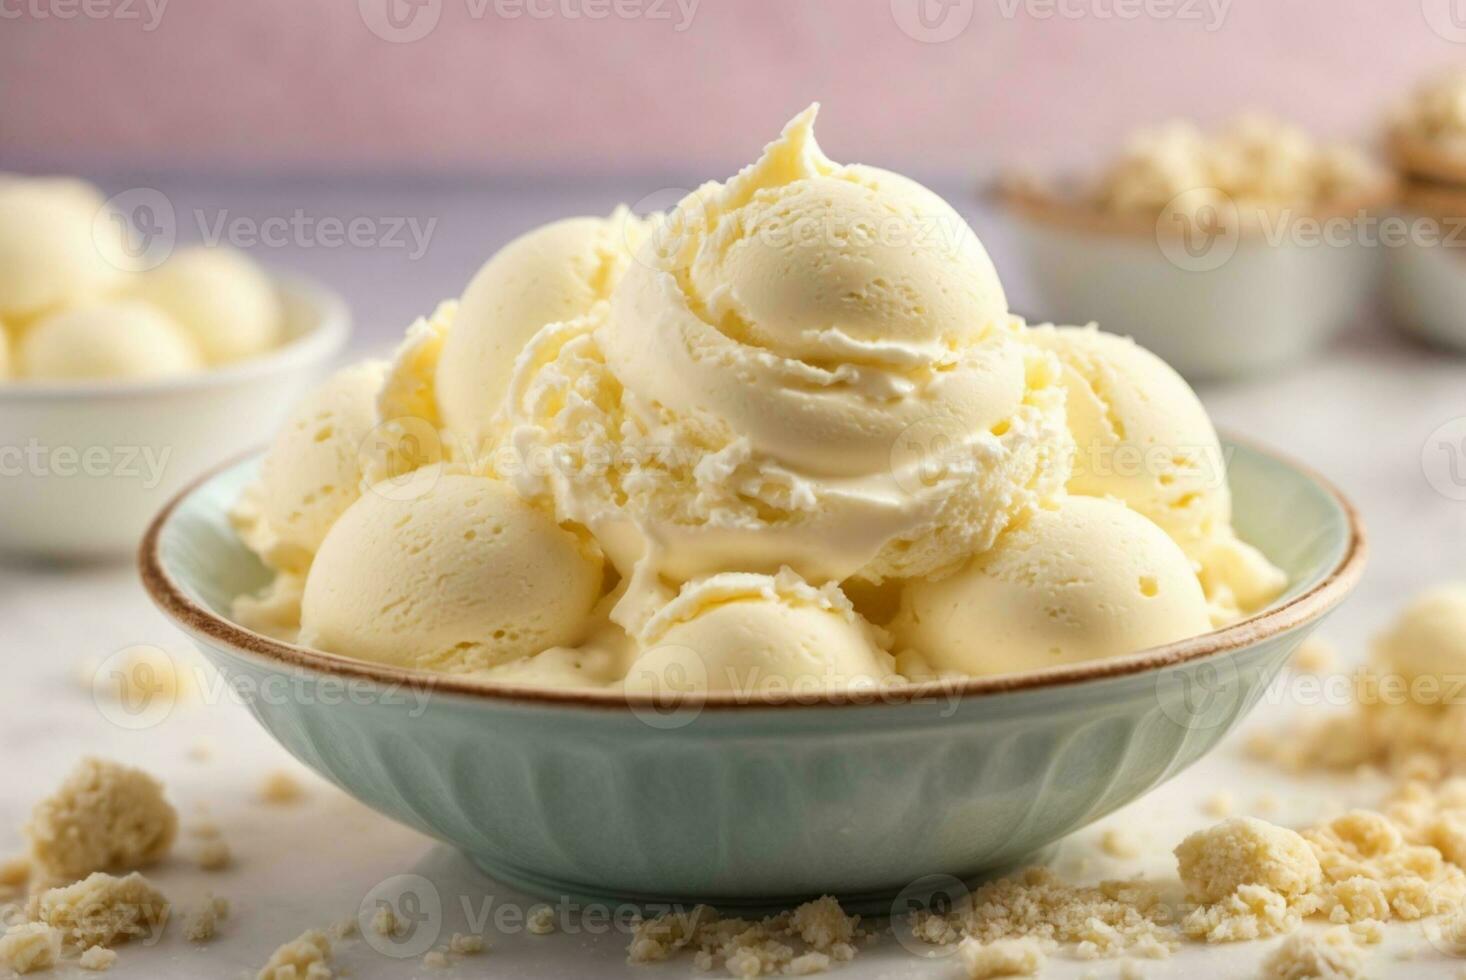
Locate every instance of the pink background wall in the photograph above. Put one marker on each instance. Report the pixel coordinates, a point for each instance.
(307, 86)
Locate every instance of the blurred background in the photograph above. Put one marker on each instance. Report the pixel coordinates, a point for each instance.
(480, 118)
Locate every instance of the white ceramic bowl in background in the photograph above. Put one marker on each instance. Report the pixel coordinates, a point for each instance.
(85, 465)
(1229, 308)
(1426, 277)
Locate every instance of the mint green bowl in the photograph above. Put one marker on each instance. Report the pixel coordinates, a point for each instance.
(594, 797)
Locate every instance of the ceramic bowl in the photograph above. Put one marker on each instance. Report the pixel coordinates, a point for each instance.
(86, 465)
(1426, 279)
(594, 796)
(1212, 301)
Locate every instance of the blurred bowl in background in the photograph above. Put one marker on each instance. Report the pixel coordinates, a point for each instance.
(1426, 278)
(85, 465)
(1212, 300)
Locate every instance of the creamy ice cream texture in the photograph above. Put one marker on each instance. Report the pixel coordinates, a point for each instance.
(795, 432)
(75, 304)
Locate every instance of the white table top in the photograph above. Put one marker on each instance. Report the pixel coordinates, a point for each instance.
(1361, 414)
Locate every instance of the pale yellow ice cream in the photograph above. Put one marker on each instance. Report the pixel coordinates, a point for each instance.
(5, 356)
(1142, 436)
(554, 273)
(313, 471)
(758, 635)
(463, 577)
(1086, 579)
(57, 246)
(222, 297)
(809, 365)
(1429, 637)
(122, 339)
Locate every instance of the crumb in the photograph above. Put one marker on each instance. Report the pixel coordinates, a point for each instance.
(1267, 804)
(1120, 844)
(203, 925)
(1106, 920)
(466, 945)
(214, 855)
(30, 946)
(1328, 956)
(102, 910)
(343, 928)
(1131, 970)
(14, 873)
(280, 788)
(137, 676)
(1003, 958)
(1315, 655)
(104, 817)
(542, 921)
(1368, 932)
(747, 948)
(1372, 871)
(307, 957)
(1219, 805)
(97, 959)
(384, 921)
(205, 829)
(201, 751)
(1253, 880)
(435, 960)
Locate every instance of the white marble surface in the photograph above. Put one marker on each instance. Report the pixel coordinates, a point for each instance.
(1361, 414)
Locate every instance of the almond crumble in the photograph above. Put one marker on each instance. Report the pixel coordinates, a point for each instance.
(102, 910)
(307, 957)
(104, 817)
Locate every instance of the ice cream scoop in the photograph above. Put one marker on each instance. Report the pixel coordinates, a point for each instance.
(313, 470)
(221, 297)
(553, 273)
(1085, 579)
(464, 577)
(57, 246)
(116, 339)
(809, 365)
(1142, 436)
(758, 635)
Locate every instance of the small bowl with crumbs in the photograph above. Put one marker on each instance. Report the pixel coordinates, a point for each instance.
(1227, 253)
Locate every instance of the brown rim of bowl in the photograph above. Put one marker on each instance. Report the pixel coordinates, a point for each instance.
(1426, 159)
(1061, 205)
(1436, 200)
(1300, 609)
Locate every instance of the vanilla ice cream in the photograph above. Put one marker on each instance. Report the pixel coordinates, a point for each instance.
(466, 576)
(221, 297)
(809, 365)
(1142, 436)
(795, 442)
(121, 339)
(1086, 579)
(757, 634)
(313, 471)
(57, 246)
(554, 273)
